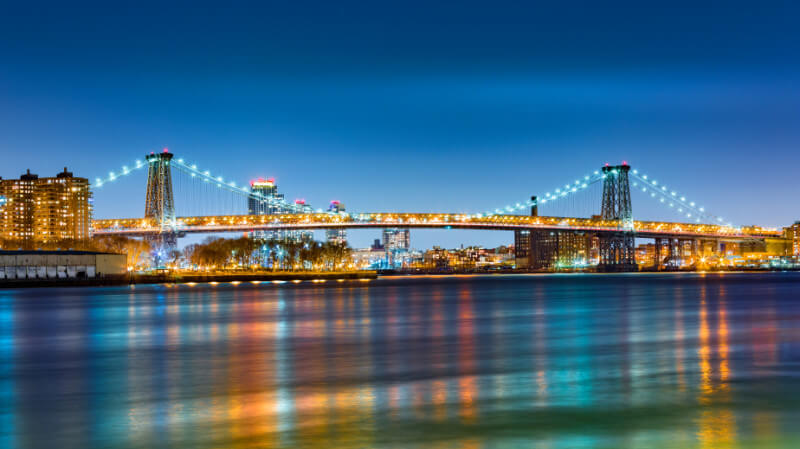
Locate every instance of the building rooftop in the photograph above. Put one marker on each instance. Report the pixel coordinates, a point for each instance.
(69, 252)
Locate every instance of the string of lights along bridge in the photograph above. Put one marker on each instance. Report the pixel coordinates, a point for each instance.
(540, 238)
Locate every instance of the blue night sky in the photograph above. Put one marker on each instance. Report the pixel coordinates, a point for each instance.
(413, 106)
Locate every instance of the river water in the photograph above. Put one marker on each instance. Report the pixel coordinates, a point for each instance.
(550, 361)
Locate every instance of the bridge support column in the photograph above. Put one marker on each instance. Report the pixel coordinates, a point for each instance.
(674, 253)
(670, 261)
(617, 253)
(617, 249)
(657, 254)
(523, 242)
(160, 205)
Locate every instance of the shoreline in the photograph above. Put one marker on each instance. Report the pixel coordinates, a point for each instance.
(337, 277)
(180, 278)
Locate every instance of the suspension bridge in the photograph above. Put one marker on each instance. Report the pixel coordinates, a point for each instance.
(540, 239)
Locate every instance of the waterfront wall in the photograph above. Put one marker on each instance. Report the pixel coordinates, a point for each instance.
(60, 265)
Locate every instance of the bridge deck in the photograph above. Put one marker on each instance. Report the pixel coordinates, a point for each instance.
(246, 223)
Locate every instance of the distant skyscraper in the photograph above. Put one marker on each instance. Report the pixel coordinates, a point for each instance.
(396, 243)
(264, 198)
(396, 240)
(336, 235)
(301, 207)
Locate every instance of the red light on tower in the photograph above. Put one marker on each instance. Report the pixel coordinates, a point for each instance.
(624, 162)
(262, 182)
(606, 164)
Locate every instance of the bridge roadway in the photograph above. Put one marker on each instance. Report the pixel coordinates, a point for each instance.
(246, 223)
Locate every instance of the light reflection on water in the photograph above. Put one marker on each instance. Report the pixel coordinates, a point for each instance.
(542, 361)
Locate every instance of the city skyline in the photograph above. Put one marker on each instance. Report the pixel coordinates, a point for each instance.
(355, 224)
(382, 111)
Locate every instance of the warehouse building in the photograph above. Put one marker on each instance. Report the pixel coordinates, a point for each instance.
(61, 265)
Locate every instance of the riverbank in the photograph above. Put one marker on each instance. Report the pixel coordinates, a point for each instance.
(185, 278)
(191, 278)
(422, 272)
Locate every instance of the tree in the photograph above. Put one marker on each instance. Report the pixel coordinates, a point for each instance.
(137, 250)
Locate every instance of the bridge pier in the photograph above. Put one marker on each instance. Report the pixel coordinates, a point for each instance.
(617, 249)
(657, 261)
(160, 205)
(617, 252)
(523, 249)
(675, 258)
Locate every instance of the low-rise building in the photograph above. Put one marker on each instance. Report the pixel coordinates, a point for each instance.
(60, 265)
(793, 233)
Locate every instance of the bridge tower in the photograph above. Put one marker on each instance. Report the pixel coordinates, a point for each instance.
(617, 250)
(159, 203)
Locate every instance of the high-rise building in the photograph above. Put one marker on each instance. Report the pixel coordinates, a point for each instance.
(45, 210)
(264, 198)
(396, 244)
(336, 235)
(396, 240)
(300, 207)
